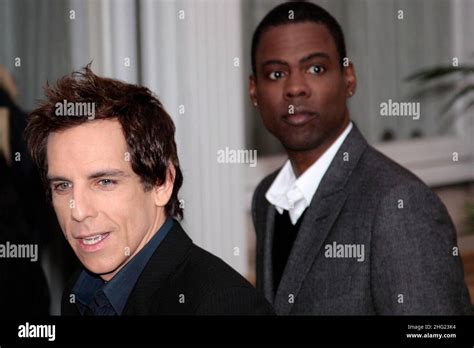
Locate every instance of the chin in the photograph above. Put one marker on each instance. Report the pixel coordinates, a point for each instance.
(301, 144)
(99, 267)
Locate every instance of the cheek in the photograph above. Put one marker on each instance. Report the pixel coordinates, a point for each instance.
(133, 213)
(330, 100)
(271, 104)
(269, 92)
(336, 91)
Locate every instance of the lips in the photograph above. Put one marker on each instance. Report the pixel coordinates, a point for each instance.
(94, 239)
(299, 117)
(92, 242)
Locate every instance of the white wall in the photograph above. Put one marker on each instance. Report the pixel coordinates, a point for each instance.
(187, 62)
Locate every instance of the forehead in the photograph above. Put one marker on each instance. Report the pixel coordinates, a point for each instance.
(86, 147)
(293, 41)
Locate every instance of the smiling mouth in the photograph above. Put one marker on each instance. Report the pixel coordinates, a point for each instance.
(94, 239)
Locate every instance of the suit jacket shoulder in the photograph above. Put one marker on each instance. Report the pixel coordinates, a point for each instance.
(365, 200)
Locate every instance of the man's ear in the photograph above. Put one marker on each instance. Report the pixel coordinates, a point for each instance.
(253, 90)
(162, 193)
(350, 79)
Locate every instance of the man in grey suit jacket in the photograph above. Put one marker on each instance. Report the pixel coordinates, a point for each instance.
(341, 229)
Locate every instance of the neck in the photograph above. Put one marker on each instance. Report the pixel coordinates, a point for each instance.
(302, 160)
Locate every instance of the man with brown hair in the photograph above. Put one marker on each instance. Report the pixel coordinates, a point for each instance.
(108, 158)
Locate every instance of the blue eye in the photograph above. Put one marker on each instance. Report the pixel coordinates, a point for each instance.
(62, 186)
(275, 75)
(316, 69)
(106, 182)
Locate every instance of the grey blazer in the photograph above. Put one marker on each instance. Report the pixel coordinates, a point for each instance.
(410, 263)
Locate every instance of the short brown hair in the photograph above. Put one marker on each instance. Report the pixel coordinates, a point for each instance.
(148, 129)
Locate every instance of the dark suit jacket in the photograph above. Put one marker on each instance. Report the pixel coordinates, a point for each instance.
(177, 268)
(409, 266)
(23, 287)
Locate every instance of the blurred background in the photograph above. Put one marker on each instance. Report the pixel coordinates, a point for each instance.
(195, 56)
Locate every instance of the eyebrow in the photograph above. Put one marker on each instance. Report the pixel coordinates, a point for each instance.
(302, 60)
(314, 55)
(94, 175)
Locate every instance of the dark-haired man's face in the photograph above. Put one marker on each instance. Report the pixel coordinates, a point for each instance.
(102, 208)
(299, 86)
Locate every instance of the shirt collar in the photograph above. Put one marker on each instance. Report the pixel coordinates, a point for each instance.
(286, 185)
(119, 288)
(85, 288)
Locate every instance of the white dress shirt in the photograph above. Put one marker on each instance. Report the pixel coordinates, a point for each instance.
(295, 194)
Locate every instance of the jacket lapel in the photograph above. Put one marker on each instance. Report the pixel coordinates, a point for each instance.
(320, 217)
(268, 288)
(153, 281)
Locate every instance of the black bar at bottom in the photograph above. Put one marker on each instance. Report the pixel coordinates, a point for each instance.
(265, 330)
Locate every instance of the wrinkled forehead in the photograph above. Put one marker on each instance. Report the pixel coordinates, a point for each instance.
(87, 147)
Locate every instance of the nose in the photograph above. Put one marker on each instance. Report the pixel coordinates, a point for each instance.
(296, 86)
(81, 205)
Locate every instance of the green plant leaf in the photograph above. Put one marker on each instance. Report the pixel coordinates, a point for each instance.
(461, 93)
(439, 71)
